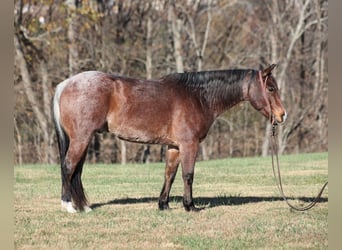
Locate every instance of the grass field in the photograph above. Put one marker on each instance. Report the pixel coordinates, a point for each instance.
(243, 207)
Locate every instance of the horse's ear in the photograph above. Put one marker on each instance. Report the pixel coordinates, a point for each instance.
(268, 70)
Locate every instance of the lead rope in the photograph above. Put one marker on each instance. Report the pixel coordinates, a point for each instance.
(279, 182)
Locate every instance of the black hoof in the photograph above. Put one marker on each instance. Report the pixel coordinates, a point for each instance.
(163, 206)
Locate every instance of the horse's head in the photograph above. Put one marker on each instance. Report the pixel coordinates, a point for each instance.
(264, 96)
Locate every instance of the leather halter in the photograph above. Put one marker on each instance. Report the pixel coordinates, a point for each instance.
(263, 93)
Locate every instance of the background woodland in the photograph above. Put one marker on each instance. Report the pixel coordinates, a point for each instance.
(148, 39)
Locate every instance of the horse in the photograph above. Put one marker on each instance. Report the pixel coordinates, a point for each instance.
(176, 110)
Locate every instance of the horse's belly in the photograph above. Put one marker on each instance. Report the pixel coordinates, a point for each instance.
(141, 133)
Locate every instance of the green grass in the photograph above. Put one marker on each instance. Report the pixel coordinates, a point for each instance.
(243, 207)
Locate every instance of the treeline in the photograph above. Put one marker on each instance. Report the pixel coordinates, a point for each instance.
(148, 39)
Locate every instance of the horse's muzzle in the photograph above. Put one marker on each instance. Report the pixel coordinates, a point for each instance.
(280, 119)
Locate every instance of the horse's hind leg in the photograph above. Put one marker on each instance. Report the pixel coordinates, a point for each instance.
(172, 163)
(72, 188)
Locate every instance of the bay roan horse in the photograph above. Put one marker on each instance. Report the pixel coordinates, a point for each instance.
(176, 110)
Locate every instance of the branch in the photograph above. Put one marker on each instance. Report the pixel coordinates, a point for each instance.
(307, 26)
(206, 34)
(41, 37)
(193, 33)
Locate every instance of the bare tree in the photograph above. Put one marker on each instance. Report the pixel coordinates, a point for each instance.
(72, 35)
(19, 143)
(42, 118)
(176, 24)
(290, 20)
(148, 39)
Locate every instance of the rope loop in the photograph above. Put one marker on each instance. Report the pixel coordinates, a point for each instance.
(278, 177)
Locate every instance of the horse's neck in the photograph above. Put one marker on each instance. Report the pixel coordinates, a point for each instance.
(224, 100)
(218, 91)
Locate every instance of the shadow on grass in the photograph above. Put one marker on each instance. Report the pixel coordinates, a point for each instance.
(208, 202)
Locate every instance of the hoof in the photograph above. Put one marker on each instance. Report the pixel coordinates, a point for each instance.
(192, 208)
(87, 209)
(67, 206)
(163, 206)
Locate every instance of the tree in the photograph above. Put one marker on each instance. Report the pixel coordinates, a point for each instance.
(148, 39)
(40, 106)
(290, 21)
(175, 26)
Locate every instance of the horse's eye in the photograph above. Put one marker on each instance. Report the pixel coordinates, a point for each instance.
(270, 88)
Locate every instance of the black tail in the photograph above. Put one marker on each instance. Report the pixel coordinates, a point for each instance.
(77, 191)
(63, 144)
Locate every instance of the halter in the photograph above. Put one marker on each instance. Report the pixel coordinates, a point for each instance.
(263, 93)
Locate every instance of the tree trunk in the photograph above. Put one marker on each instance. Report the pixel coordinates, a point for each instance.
(176, 26)
(47, 110)
(27, 82)
(72, 34)
(319, 75)
(146, 149)
(123, 152)
(317, 65)
(19, 145)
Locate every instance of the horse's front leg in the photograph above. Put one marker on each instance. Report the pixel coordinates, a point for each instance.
(172, 162)
(188, 155)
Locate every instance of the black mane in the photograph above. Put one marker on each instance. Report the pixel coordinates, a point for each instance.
(218, 87)
(205, 79)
